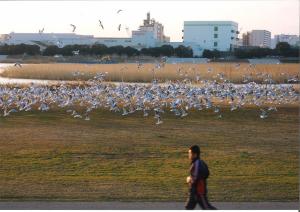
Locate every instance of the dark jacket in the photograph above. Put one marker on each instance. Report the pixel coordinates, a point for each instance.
(198, 184)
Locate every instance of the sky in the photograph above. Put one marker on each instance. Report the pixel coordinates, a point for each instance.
(277, 16)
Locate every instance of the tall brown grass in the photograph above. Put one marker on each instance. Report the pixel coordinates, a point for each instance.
(147, 72)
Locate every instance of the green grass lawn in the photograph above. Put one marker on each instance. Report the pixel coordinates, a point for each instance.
(52, 156)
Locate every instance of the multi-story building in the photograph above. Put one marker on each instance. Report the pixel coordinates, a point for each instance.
(198, 35)
(246, 39)
(111, 41)
(219, 35)
(260, 38)
(293, 40)
(48, 38)
(155, 27)
(151, 33)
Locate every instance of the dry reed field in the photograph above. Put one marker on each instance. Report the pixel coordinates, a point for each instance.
(147, 72)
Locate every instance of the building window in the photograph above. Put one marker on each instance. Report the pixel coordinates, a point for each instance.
(215, 43)
(215, 35)
(215, 28)
(232, 31)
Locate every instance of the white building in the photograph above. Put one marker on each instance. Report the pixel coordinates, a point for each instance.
(150, 34)
(110, 41)
(156, 28)
(198, 35)
(260, 38)
(143, 39)
(293, 40)
(219, 35)
(48, 38)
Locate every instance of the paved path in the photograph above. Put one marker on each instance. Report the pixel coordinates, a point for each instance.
(50, 205)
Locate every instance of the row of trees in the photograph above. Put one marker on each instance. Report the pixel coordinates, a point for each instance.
(211, 54)
(167, 50)
(100, 49)
(282, 49)
(96, 49)
(20, 49)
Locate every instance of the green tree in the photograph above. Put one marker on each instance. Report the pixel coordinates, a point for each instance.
(129, 51)
(211, 54)
(99, 49)
(283, 48)
(116, 50)
(183, 51)
(51, 50)
(166, 50)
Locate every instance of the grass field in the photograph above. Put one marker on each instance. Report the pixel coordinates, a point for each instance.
(146, 73)
(51, 156)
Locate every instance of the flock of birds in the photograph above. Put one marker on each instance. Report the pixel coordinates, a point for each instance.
(74, 27)
(180, 97)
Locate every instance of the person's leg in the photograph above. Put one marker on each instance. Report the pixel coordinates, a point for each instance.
(204, 204)
(191, 200)
(208, 203)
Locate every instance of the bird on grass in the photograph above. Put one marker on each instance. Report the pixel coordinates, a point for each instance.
(179, 97)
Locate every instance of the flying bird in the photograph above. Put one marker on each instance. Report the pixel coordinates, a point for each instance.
(17, 64)
(100, 23)
(41, 31)
(74, 27)
(119, 11)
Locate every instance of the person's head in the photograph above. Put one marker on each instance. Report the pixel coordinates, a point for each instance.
(194, 152)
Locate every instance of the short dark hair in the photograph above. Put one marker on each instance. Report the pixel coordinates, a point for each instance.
(195, 149)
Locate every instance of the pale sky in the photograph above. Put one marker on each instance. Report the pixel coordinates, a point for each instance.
(277, 16)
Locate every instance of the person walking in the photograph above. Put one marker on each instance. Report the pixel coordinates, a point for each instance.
(197, 181)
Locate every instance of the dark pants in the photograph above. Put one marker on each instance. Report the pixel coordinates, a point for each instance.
(193, 199)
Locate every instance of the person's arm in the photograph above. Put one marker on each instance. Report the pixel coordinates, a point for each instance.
(195, 173)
